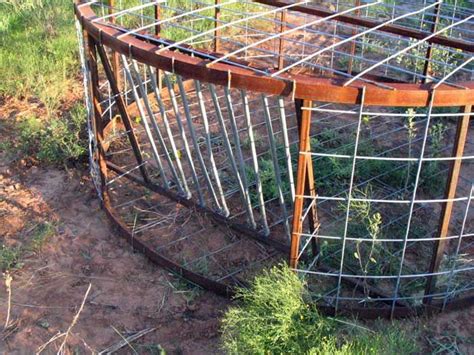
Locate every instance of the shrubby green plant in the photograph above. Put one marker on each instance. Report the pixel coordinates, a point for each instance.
(9, 257)
(55, 140)
(268, 177)
(274, 316)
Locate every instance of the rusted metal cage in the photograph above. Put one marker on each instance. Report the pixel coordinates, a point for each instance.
(226, 136)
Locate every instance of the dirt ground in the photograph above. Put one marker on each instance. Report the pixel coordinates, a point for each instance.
(128, 294)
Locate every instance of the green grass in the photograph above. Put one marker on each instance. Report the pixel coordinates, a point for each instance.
(40, 235)
(37, 50)
(56, 140)
(274, 316)
(39, 61)
(11, 256)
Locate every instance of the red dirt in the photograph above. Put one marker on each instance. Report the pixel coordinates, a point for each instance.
(128, 293)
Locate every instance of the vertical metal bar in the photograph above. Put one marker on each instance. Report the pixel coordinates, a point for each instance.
(450, 193)
(144, 120)
(248, 122)
(429, 51)
(187, 151)
(349, 196)
(281, 45)
(334, 39)
(182, 185)
(115, 55)
(297, 227)
(238, 148)
(88, 99)
(215, 173)
(189, 120)
(217, 15)
(276, 166)
(286, 142)
(157, 14)
(123, 112)
(244, 197)
(98, 124)
(413, 198)
(144, 97)
(458, 247)
(310, 189)
(353, 45)
(159, 72)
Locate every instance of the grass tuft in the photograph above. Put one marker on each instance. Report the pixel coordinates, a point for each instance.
(9, 257)
(54, 141)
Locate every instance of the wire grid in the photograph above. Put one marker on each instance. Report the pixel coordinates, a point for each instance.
(381, 187)
(193, 170)
(252, 32)
(234, 152)
(224, 148)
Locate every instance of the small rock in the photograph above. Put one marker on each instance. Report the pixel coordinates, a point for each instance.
(43, 323)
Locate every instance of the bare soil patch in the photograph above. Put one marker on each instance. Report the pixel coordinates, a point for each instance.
(128, 292)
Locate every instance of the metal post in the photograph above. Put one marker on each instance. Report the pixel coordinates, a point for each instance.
(310, 188)
(429, 51)
(98, 124)
(353, 45)
(159, 72)
(115, 55)
(157, 19)
(217, 15)
(281, 59)
(450, 193)
(123, 112)
(304, 125)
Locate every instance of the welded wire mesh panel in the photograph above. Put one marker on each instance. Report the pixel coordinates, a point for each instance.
(392, 184)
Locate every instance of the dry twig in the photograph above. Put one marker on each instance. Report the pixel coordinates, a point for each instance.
(8, 284)
(125, 341)
(76, 317)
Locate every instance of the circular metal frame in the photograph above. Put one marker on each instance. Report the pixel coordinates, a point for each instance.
(303, 89)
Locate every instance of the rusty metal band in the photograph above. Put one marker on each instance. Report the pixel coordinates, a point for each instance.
(302, 87)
